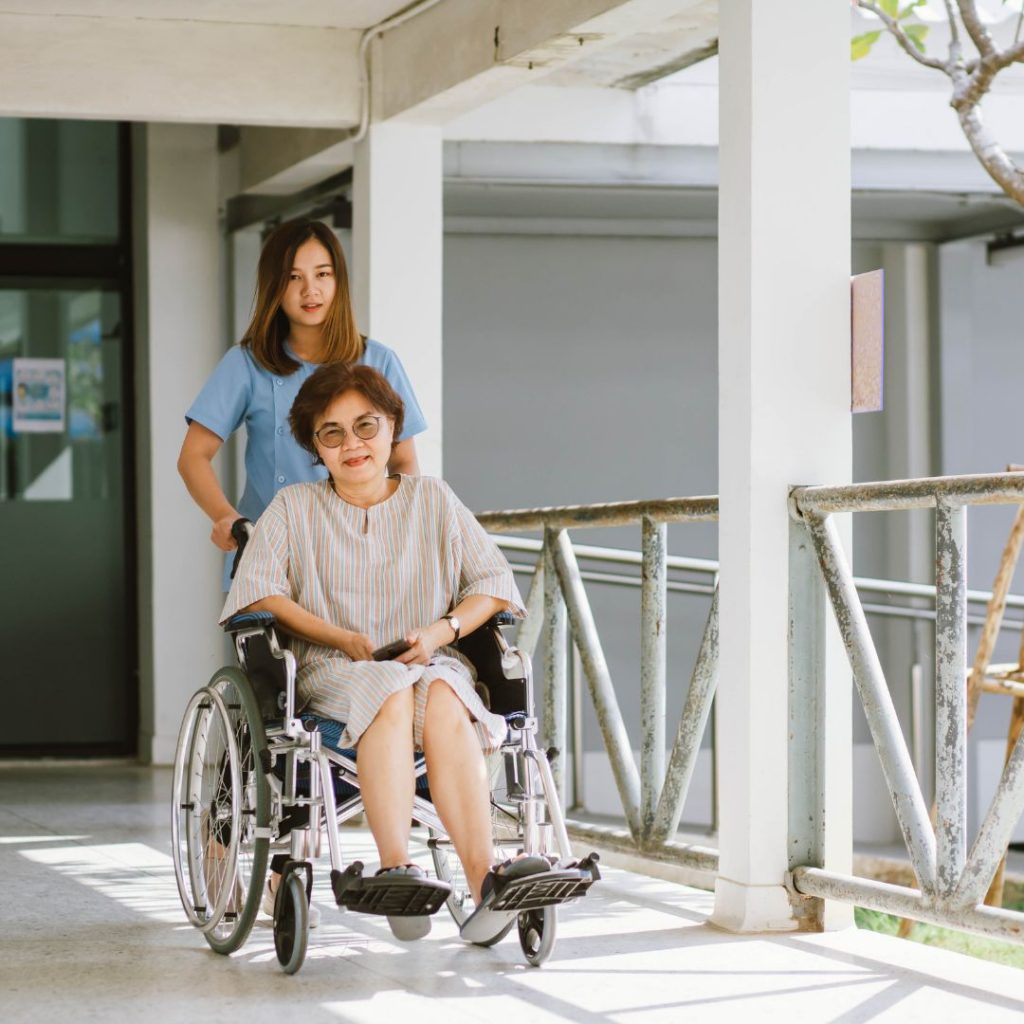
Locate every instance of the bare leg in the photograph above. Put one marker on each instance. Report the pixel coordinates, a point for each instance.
(458, 781)
(384, 757)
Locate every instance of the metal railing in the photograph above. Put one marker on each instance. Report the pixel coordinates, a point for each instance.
(652, 796)
(951, 881)
(547, 615)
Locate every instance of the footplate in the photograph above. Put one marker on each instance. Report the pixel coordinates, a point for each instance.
(389, 895)
(546, 890)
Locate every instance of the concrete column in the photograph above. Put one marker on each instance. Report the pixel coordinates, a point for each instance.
(397, 242)
(784, 400)
(178, 328)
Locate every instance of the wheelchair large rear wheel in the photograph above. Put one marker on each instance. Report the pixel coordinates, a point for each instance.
(221, 816)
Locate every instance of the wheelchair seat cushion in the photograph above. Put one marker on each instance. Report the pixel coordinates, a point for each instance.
(330, 734)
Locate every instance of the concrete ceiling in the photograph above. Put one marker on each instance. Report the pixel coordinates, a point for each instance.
(352, 14)
(684, 38)
(297, 64)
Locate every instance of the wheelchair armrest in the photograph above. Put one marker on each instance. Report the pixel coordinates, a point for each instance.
(269, 668)
(485, 647)
(248, 620)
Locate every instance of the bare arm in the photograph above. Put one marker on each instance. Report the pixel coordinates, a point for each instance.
(403, 459)
(296, 620)
(472, 613)
(195, 464)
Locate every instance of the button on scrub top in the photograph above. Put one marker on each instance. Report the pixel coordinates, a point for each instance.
(241, 391)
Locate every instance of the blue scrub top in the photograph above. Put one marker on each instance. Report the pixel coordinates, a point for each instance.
(241, 391)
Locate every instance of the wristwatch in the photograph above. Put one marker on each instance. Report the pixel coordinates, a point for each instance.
(453, 621)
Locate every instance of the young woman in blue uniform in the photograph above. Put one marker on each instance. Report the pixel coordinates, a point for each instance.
(303, 318)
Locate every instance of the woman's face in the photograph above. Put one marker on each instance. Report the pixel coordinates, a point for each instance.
(311, 285)
(356, 460)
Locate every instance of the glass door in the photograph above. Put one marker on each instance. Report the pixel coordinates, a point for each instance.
(68, 677)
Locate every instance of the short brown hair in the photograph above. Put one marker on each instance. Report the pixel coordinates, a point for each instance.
(268, 330)
(331, 381)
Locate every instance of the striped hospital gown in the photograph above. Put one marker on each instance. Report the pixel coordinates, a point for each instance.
(384, 571)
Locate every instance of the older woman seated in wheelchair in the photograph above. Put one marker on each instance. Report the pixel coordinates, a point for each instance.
(361, 561)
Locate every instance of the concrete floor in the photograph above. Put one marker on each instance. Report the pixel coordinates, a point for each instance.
(93, 931)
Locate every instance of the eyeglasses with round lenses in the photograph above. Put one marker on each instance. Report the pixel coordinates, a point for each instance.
(331, 435)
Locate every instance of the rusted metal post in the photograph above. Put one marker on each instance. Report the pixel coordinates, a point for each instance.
(898, 899)
(652, 669)
(555, 636)
(530, 627)
(994, 896)
(602, 692)
(807, 616)
(994, 614)
(692, 723)
(995, 832)
(877, 701)
(578, 751)
(950, 694)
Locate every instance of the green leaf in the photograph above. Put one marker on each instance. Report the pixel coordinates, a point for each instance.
(860, 46)
(890, 7)
(916, 34)
(909, 9)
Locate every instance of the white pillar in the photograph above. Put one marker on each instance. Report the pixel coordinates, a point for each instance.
(397, 242)
(178, 332)
(784, 400)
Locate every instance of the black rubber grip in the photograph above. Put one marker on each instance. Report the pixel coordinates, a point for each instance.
(240, 535)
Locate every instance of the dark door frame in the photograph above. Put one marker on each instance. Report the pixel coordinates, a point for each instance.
(67, 265)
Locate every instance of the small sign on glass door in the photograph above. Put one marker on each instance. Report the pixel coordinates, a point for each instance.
(38, 396)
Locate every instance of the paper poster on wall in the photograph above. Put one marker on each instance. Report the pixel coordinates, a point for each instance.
(38, 396)
(867, 337)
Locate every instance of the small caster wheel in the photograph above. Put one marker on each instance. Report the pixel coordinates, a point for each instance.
(537, 932)
(291, 923)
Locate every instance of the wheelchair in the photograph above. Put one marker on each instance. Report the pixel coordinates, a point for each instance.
(252, 773)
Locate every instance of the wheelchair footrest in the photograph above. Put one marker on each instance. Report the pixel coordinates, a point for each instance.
(526, 889)
(391, 895)
(544, 890)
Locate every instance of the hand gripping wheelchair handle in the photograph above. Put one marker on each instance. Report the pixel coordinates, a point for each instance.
(241, 531)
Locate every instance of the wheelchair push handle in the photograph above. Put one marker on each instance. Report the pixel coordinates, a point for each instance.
(241, 531)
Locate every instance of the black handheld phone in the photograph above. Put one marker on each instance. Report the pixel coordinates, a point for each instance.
(391, 651)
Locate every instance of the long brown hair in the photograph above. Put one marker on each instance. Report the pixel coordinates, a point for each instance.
(268, 329)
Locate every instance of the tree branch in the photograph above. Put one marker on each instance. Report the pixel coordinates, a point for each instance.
(975, 29)
(901, 37)
(1011, 56)
(954, 28)
(991, 155)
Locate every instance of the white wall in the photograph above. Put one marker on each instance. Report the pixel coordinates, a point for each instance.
(583, 370)
(550, 341)
(178, 316)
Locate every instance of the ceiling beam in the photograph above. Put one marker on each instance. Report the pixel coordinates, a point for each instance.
(462, 53)
(137, 69)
